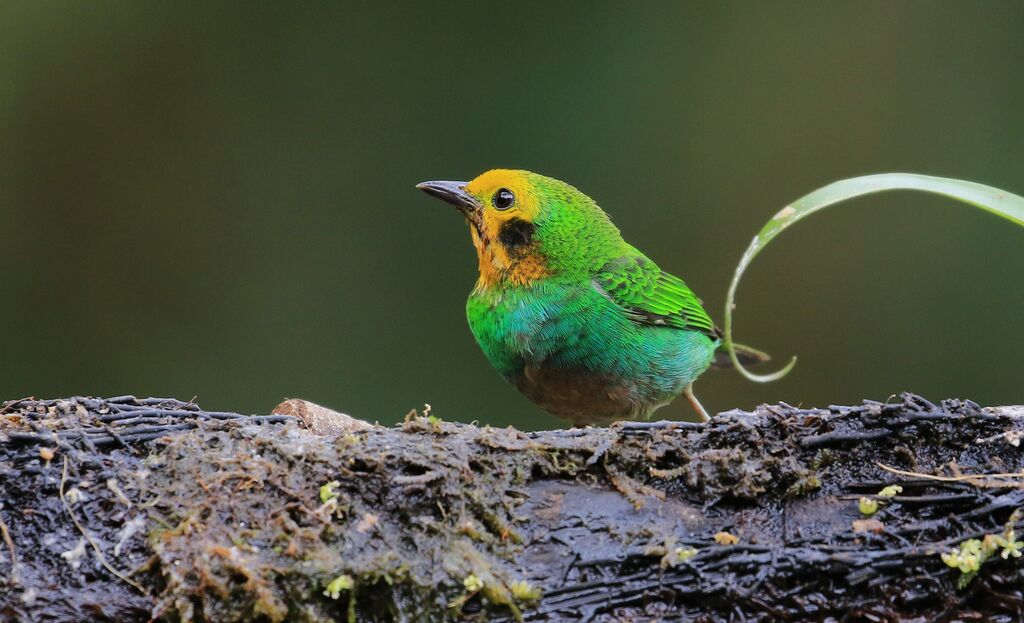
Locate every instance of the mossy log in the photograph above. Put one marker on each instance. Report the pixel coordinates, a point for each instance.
(131, 510)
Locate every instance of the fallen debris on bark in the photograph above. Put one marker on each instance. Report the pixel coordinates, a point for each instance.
(124, 509)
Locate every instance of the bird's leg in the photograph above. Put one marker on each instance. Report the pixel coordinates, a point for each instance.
(688, 392)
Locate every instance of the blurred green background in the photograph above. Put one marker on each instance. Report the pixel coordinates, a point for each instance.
(217, 200)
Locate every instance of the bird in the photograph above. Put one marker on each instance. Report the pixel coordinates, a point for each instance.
(581, 322)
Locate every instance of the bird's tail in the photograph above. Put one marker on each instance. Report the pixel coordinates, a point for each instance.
(748, 357)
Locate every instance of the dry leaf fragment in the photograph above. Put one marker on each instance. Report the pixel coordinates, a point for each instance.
(321, 420)
(726, 538)
(868, 525)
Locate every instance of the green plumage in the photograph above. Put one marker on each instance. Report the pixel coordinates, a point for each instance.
(652, 296)
(581, 322)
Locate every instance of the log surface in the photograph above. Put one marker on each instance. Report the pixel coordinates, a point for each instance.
(125, 510)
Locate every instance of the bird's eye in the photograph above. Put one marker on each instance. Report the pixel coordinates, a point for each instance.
(503, 199)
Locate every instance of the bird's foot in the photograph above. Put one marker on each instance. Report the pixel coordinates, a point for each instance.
(699, 408)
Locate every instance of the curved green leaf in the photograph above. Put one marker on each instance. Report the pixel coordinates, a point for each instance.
(994, 200)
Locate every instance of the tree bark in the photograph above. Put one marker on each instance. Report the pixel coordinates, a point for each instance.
(125, 510)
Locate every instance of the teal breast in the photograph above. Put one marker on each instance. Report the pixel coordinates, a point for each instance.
(577, 354)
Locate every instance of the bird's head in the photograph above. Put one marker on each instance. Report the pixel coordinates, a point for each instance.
(526, 226)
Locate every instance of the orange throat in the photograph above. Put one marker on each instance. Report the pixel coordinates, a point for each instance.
(499, 267)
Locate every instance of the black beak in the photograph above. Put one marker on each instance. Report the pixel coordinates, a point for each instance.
(453, 193)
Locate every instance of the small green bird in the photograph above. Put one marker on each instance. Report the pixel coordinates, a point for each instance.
(578, 320)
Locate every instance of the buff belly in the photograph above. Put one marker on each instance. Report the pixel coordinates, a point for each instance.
(583, 396)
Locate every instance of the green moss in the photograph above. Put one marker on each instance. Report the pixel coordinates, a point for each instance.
(382, 506)
(890, 491)
(338, 585)
(867, 506)
(971, 554)
(329, 491)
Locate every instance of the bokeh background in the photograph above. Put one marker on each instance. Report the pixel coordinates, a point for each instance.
(216, 200)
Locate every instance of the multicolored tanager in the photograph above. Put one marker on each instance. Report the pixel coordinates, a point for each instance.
(577, 319)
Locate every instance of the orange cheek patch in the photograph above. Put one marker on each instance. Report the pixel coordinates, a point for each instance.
(496, 268)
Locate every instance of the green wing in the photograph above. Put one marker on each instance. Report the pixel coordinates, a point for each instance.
(653, 297)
